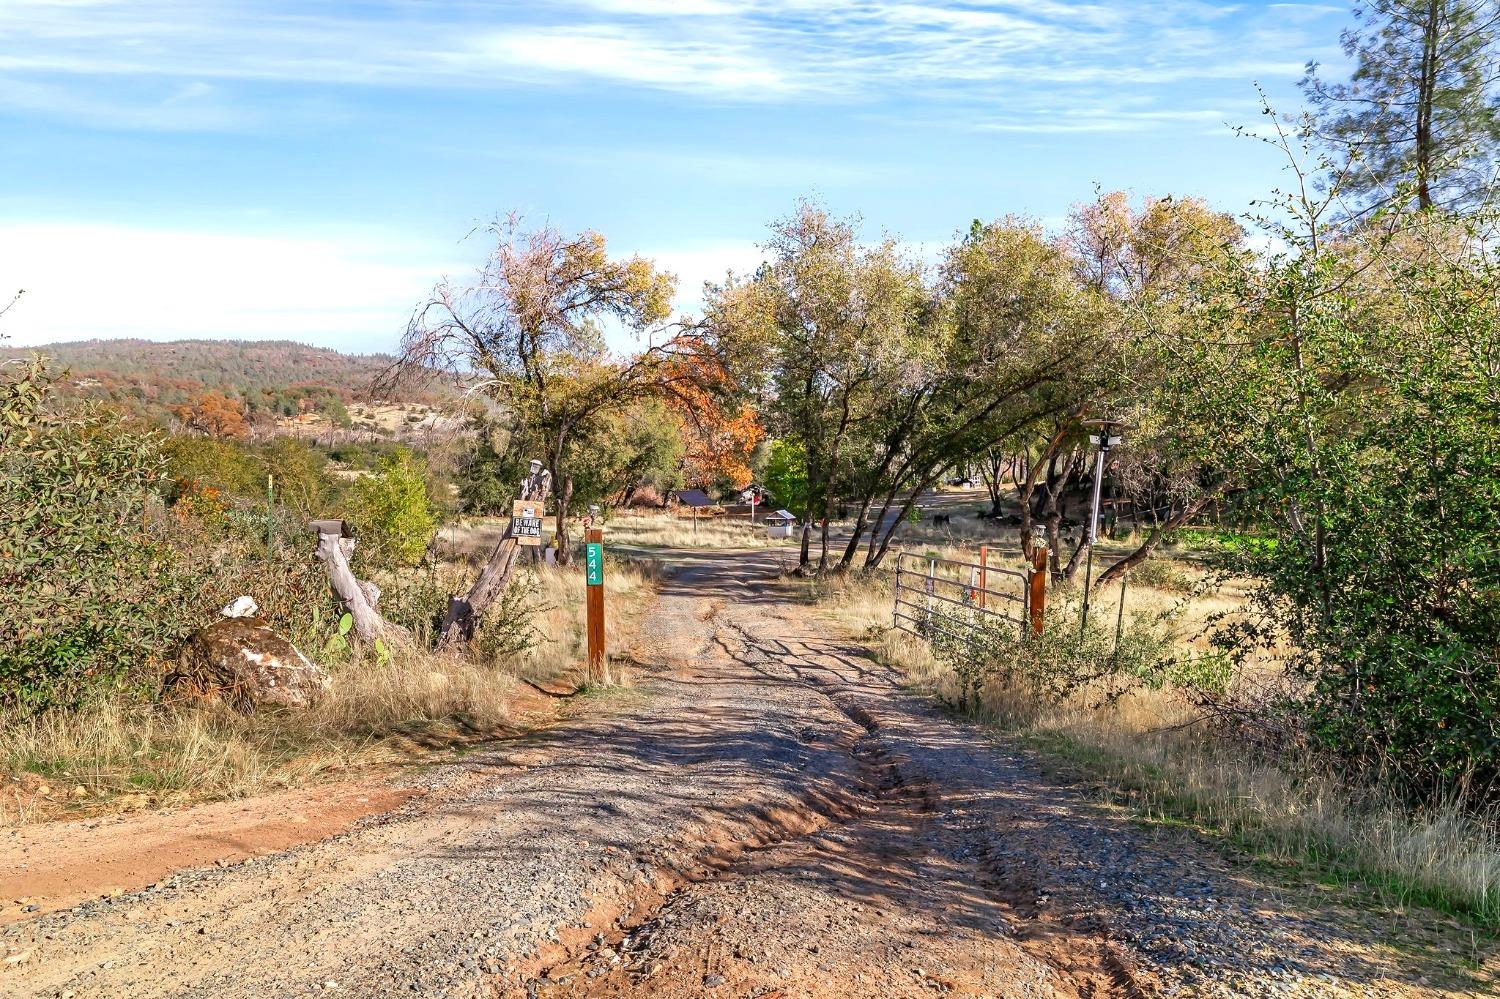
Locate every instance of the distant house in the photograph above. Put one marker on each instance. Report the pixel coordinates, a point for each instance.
(743, 507)
(762, 494)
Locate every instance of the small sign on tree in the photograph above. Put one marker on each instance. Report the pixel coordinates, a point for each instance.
(526, 523)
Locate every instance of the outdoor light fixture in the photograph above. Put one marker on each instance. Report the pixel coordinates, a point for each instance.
(1107, 436)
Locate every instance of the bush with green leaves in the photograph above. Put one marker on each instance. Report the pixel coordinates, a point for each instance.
(1066, 660)
(1349, 386)
(392, 511)
(1385, 575)
(81, 571)
(100, 582)
(240, 469)
(786, 475)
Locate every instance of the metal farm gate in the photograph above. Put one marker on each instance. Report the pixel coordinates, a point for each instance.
(954, 599)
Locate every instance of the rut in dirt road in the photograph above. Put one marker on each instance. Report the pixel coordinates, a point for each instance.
(766, 814)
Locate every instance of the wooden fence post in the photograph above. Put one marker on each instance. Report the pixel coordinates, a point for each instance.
(593, 539)
(984, 570)
(1038, 584)
(930, 586)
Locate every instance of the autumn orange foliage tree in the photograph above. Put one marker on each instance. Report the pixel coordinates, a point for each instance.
(216, 415)
(719, 434)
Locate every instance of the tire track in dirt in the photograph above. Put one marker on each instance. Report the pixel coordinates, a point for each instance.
(770, 816)
(686, 943)
(1089, 961)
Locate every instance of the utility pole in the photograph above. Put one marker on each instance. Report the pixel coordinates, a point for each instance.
(1105, 439)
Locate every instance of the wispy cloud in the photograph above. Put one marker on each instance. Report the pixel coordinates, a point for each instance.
(777, 50)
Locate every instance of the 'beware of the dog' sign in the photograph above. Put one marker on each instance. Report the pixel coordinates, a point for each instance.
(526, 522)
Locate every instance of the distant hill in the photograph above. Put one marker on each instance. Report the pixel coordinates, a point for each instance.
(245, 366)
(272, 381)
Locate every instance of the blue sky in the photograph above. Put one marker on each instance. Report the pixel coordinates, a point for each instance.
(307, 170)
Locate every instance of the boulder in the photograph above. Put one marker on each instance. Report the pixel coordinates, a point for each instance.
(242, 660)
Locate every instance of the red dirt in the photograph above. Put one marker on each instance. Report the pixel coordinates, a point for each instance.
(58, 865)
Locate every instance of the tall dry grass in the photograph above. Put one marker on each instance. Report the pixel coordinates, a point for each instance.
(1157, 757)
(119, 752)
(666, 530)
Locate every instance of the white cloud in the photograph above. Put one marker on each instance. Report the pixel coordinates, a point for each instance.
(634, 57)
(777, 49)
(89, 280)
(707, 261)
(353, 292)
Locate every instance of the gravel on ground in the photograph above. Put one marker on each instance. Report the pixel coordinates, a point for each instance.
(765, 812)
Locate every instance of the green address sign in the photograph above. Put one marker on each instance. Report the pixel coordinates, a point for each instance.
(594, 560)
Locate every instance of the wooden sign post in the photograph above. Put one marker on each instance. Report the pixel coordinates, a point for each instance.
(593, 539)
(1038, 584)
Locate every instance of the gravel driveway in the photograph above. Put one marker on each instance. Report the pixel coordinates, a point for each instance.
(765, 813)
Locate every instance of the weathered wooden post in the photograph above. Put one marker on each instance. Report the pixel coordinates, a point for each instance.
(593, 539)
(335, 545)
(464, 612)
(1120, 617)
(1038, 584)
(984, 569)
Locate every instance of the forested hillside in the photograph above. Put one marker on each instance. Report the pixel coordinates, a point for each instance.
(245, 366)
(204, 383)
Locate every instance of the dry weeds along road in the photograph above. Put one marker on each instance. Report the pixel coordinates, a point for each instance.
(767, 814)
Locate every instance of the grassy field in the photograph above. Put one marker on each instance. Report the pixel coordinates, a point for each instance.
(677, 531)
(1150, 749)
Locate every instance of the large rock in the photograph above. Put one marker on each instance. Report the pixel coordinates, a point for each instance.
(244, 661)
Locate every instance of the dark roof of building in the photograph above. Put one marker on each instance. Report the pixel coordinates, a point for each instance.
(693, 497)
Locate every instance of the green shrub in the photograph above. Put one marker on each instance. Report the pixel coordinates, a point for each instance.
(80, 567)
(1064, 661)
(100, 582)
(392, 511)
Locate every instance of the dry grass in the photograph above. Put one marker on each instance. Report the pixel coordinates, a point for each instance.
(673, 531)
(558, 614)
(1156, 760)
(124, 753)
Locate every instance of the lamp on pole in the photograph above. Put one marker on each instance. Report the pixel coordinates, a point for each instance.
(1106, 438)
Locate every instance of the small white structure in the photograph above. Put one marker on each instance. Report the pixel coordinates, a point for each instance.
(781, 524)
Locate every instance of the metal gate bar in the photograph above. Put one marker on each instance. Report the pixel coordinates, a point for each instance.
(927, 610)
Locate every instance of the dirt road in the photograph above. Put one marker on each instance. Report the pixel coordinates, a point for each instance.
(765, 814)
